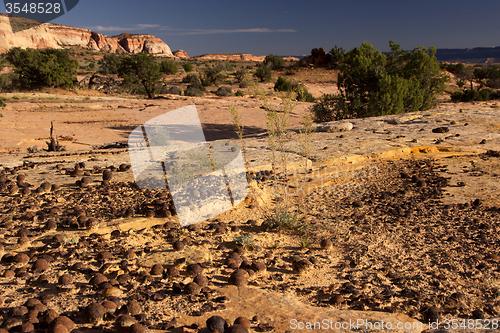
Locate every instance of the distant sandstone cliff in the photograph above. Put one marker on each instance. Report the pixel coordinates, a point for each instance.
(55, 36)
(237, 56)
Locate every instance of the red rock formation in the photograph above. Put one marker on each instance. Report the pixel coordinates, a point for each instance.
(238, 57)
(59, 36)
(181, 54)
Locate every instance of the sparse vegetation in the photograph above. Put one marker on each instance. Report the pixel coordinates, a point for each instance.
(373, 84)
(168, 67)
(224, 91)
(246, 241)
(187, 67)
(141, 69)
(263, 73)
(274, 61)
(43, 68)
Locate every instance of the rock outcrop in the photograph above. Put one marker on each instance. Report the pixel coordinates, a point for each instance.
(237, 57)
(55, 36)
(181, 54)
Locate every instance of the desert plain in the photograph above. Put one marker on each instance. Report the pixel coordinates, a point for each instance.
(399, 221)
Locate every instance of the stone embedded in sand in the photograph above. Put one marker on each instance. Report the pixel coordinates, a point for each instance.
(21, 178)
(336, 300)
(51, 225)
(27, 328)
(49, 316)
(178, 246)
(41, 265)
(216, 324)
(65, 279)
(201, 280)
(109, 306)
(239, 278)
(104, 255)
(134, 308)
(137, 328)
(123, 278)
(12, 322)
(301, 266)
(13, 189)
(92, 223)
(236, 329)
(432, 314)
(59, 328)
(326, 244)
(94, 313)
(65, 321)
(172, 272)
(112, 292)
(97, 279)
(194, 270)
(123, 323)
(443, 129)
(243, 321)
(107, 175)
(192, 288)
(124, 167)
(157, 269)
(259, 266)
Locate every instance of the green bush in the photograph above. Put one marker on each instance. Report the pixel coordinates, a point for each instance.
(276, 62)
(212, 76)
(239, 93)
(192, 91)
(373, 84)
(174, 91)
(474, 95)
(191, 78)
(283, 220)
(224, 91)
(110, 64)
(187, 67)
(43, 68)
(2, 103)
(328, 108)
(264, 73)
(283, 85)
(240, 75)
(168, 67)
(141, 69)
(303, 95)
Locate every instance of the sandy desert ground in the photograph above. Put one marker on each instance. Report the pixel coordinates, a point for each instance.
(401, 224)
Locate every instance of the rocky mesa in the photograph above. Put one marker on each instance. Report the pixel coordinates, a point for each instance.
(47, 35)
(237, 57)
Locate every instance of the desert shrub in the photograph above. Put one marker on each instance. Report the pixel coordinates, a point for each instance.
(2, 103)
(283, 220)
(275, 62)
(225, 66)
(373, 84)
(187, 67)
(328, 108)
(212, 76)
(174, 91)
(224, 91)
(43, 68)
(168, 67)
(190, 78)
(474, 95)
(192, 91)
(110, 64)
(141, 69)
(264, 73)
(240, 75)
(246, 241)
(243, 84)
(283, 85)
(239, 93)
(303, 95)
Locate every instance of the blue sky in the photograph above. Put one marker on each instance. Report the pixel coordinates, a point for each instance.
(294, 27)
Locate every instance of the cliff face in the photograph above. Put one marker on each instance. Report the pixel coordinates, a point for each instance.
(58, 36)
(237, 56)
